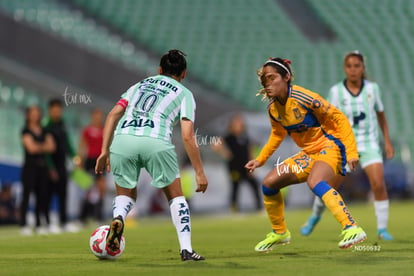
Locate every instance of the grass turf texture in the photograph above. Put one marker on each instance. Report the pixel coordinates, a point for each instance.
(227, 242)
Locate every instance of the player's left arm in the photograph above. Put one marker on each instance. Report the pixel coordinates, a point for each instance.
(382, 121)
(110, 123)
(331, 118)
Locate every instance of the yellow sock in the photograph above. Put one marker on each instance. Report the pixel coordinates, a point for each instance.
(275, 208)
(334, 202)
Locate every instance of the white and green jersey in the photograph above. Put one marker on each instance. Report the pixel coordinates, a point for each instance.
(361, 111)
(154, 106)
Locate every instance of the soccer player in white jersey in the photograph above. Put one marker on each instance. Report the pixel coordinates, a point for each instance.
(360, 100)
(137, 134)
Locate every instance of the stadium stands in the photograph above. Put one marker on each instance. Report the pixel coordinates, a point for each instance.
(390, 53)
(56, 17)
(228, 40)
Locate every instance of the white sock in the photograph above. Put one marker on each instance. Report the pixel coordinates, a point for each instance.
(318, 207)
(381, 212)
(122, 205)
(180, 214)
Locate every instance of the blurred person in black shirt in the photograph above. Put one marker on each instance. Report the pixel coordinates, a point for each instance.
(36, 142)
(236, 150)
(57, 162)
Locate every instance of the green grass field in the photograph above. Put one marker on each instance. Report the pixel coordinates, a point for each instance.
(227, 242)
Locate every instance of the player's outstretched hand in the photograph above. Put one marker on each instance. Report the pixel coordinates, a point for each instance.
(252, 165)
(353, 164)
(102, 162)
(202, 183)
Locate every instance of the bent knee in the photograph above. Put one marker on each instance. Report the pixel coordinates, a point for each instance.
(312, 182)
(268, 182)
(269, 191)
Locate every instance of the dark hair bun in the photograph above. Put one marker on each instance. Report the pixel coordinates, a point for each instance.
(175, 55)
(173, 62)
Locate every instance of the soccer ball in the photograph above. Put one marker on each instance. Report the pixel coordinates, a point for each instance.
(97, 244)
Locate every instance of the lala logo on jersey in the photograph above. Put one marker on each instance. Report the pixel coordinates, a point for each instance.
(139, 122)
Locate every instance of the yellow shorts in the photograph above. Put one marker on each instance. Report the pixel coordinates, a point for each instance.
(301, 163)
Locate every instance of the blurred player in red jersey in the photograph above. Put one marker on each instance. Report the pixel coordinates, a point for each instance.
(90, 145)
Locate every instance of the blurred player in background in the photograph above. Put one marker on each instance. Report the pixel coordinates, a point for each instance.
(35, 176)
(327, 143)
(57, 163)
(90, 145)
(8, 210)
(137, 134)
(360, 100)
(237, 151)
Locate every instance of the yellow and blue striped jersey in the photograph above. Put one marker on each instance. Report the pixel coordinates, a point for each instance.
(311, 121)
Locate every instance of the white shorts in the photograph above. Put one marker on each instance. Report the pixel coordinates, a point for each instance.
(369, 157)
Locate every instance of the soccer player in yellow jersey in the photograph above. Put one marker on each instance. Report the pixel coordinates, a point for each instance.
(327, 142)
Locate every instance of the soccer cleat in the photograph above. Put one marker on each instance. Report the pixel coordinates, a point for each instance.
(113, 239)
(352, 235)
(42, 230)
(26, 231)
(271, 239)
(55, 229)
(383, 234)
(71, 228)
(307, 228)
(190, 256)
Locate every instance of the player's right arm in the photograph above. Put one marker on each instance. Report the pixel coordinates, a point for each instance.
(276, 137)
(110, 123)
(382, 121)
(189, 141)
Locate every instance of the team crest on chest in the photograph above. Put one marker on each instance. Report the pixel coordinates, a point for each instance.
(297, 113)
(369, 97)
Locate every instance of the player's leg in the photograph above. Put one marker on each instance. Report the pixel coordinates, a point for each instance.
(321, 173)
(318, 207)
(61, 188)
(38, 203)
(180, 215)
(42, 197)
(101, 184)
(375, 173)
(122, 204)
(254, 186)
(27, 181)
(235, 181)
(163, 167)
(281, 176)
(126, 172)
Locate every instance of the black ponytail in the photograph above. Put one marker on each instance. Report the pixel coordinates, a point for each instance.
(173, 63)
